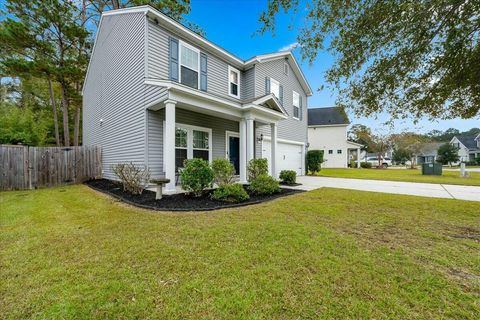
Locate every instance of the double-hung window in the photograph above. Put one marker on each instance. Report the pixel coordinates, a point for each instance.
(181, 144)
(233, 82)
(296, 105)
(191, 142)
(275, 87)
(189, 65)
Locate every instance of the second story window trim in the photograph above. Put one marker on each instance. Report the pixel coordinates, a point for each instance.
(275, 87)
(233, 82)
(189, 62)
(296, 105)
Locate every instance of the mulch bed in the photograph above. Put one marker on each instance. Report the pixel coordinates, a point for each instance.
(177, 202)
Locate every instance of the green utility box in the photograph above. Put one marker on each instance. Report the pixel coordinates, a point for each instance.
(432, 169)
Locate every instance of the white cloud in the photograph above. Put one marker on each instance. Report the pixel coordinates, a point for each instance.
(289, 47)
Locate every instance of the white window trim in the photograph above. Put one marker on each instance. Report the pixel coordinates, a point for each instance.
(230, 69)
(190, 129)
(180, 44)
(278, 83)
(286, 68)
(293, 106)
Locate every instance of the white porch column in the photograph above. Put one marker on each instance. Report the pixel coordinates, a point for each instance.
(169, 145)
(250, 139)
(273, 144)
(243, 151)
(358, 157)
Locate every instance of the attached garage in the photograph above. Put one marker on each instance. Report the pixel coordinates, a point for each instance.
(289, 155)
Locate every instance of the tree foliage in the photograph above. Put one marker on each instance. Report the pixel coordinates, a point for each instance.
(447, 153)
(49, 42)
(408, 58)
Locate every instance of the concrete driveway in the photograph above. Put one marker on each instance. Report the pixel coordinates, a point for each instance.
(409, 188)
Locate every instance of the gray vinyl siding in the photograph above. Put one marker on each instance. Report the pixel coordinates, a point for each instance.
(289, 129)
(217, 69)
(114, 92)
(219, 127)
(248, 84)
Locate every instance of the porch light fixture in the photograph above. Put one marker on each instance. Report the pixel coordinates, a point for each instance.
(101, 121)
(260, 139)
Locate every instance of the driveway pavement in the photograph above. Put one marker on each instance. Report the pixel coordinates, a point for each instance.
(409, 188)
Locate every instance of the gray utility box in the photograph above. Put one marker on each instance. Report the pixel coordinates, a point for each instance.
(432, 169)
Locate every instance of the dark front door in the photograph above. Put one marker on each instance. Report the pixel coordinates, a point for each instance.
(234, 152)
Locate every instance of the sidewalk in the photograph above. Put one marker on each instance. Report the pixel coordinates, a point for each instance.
(409, 188)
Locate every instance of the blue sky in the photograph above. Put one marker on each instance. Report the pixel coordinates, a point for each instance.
(232, 24)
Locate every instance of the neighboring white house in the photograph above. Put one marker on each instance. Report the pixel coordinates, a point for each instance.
(327, 131)
(468, 147)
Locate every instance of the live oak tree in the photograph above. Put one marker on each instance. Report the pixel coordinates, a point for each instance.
(408, 58)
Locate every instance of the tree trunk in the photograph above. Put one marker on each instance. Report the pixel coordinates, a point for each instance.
(54, 109)
(66, 131)
(115, 4)
(76, 128)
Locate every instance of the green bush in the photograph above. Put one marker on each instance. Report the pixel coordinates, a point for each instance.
(223, 171)
(257, 167)
(366, 165)
(230, 193)
(263, 185)
(288, 176)
(477, 160)
(314, 160)
(196, 176)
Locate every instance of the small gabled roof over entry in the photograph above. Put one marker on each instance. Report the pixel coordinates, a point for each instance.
(268, 101)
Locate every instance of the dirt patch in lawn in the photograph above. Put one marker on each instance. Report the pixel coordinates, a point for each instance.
(178, 202)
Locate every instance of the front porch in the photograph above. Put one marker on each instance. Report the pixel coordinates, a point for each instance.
(179, 129)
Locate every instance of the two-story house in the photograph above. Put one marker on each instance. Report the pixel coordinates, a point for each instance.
(156, 93)
(468, 147)
(327, 131)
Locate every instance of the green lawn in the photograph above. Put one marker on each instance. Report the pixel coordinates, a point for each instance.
(73, 253)
(408, 175)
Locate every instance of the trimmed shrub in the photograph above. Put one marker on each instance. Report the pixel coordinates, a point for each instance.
(134, 178)
(288, 176)
(477, 160)
(263, 185)
(366, 165)
(196, 176)
(223, 171)
(314, 160)
(257, 167)
(230, 193)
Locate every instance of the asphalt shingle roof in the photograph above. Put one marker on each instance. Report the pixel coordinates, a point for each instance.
(327, 116)
(468, 141)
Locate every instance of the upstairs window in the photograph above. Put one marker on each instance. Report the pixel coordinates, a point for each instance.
(275, 87)
(189, 65)
(296, 105)
(233, 82)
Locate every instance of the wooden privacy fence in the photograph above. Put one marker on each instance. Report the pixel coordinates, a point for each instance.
(23, 167)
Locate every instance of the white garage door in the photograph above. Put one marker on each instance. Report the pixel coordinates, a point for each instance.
(289, 156)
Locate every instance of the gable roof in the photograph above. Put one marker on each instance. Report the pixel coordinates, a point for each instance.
(327, 116)
(468, 141)
(197, 39)
(430, 148)
(268, 101)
